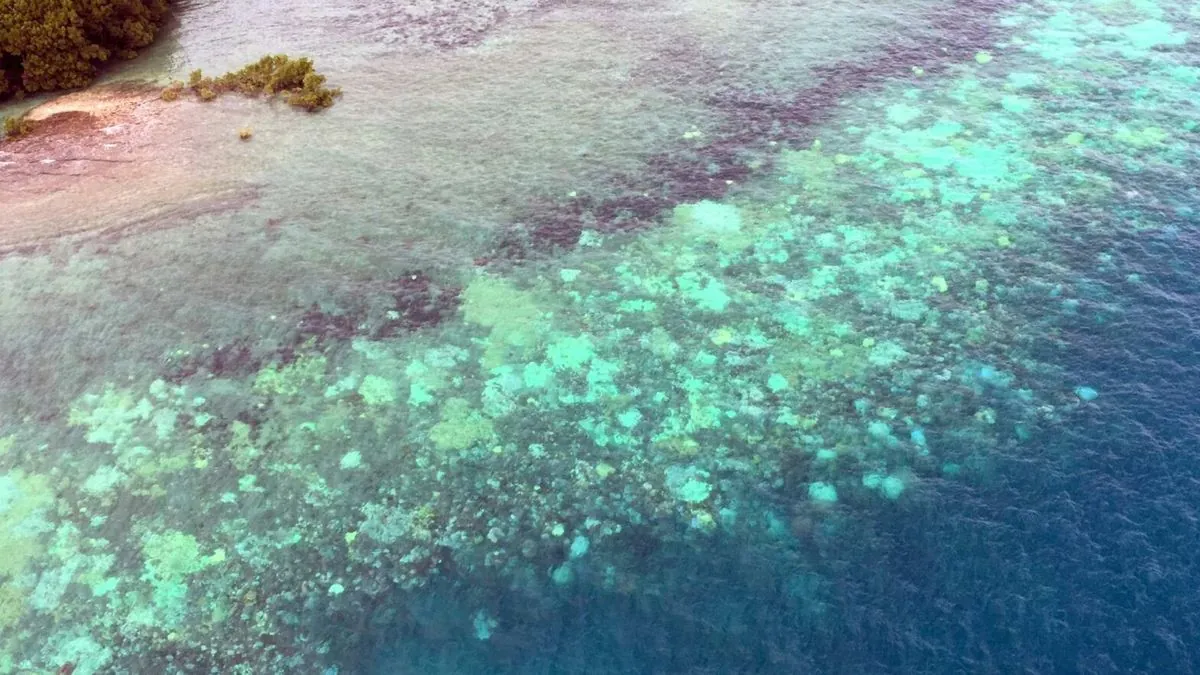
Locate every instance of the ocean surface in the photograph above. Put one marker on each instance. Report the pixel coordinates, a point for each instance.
(683, 336)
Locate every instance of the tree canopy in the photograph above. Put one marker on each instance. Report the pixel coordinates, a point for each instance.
(57, 44)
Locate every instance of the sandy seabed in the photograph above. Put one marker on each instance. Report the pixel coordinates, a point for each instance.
(90, 162)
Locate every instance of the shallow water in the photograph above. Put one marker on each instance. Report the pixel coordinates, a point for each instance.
(682, 337)
(557, 110)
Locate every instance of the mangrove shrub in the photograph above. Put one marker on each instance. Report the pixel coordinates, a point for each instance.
(57, 44)
(295, 79)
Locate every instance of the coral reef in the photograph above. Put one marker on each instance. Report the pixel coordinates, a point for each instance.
(775, 368)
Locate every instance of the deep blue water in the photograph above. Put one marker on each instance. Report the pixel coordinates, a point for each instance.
(1080, 555)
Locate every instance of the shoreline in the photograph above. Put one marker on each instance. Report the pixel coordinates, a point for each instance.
(89, 153)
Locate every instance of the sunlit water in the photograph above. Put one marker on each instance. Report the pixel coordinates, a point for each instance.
(678, 338)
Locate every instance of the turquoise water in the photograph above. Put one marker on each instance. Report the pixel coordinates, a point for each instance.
(879, 360)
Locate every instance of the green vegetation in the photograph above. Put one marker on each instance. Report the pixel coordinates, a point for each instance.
(47, 45)
(171, 93)
(56, 44)
(16, 127)
(269, 76)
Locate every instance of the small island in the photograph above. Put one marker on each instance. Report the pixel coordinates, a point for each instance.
(52, 50)
(83, 138)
